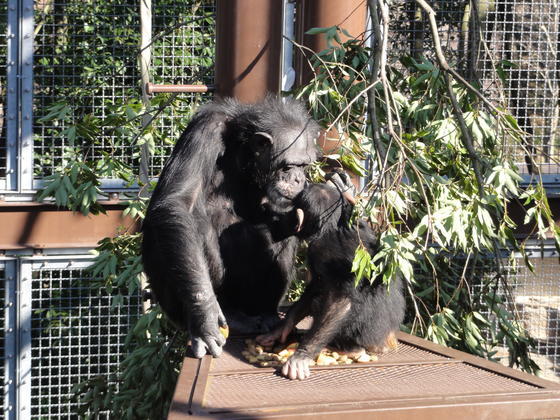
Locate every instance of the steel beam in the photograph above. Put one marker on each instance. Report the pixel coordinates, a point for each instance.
(40, 226)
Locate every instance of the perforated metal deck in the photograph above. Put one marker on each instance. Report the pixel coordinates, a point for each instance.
(418, 380)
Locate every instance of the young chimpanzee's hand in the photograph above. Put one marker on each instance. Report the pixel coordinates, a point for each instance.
(297, 366)
(342, 182)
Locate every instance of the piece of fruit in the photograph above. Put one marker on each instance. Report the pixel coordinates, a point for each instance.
(269, 363)
(324, 360)
(224, 331)
(264, 357)
(364, 358)
(284, 353)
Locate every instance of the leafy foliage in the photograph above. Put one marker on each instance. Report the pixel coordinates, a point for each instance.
(142, 385)
(442, 229)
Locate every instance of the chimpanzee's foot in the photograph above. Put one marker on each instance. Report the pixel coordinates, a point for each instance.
(352, 353)
(269, 322)
(297, 366)
(390, 343)
(270, 338)
(240, 323)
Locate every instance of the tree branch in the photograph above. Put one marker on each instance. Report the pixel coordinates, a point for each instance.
(466, 134)
(442, 60)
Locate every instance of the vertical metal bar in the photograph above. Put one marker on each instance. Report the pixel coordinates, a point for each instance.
(12, 70)
(26, 95)
(145, 61)
(10, 341)
(24, 340)
(288, 71)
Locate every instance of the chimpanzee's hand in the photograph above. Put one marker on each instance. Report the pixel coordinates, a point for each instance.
(343, 183)
(278, 334)
(271, 337)
(205, 330)
(297, 366)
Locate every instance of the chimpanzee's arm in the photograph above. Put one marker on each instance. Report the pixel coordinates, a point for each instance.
(176, 242)
(331, 314)
(296, 313)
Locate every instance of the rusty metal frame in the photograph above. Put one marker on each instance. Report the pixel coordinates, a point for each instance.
(540, 400)
(152, 88)
(44, 226)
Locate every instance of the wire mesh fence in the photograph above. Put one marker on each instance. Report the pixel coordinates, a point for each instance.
(86, 56)
(76, 334)
(511, 49)
(507, 293)
(183, 53)
(86, 60)
(523, 38)
(534, 296)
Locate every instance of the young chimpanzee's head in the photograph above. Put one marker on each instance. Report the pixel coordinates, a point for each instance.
(320, 208)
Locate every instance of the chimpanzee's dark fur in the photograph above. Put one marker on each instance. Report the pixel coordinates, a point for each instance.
(208, 241)
(345, 317)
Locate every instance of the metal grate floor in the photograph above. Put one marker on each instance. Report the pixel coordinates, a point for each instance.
(353, 385)
(418, 380)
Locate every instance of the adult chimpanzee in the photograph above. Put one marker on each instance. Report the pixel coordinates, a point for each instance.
(208, 247)
(345, 317)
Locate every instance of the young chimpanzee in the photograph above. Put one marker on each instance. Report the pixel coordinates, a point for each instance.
(347, 318)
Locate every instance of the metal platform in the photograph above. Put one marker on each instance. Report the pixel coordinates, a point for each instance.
(419, 380)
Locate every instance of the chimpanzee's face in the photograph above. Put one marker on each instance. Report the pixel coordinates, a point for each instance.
(284, 156)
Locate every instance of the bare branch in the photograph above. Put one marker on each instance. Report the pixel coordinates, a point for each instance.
(442, 60)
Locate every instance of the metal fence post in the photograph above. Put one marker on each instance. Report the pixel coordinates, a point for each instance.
(26, 95)
(10, 341)
(12, 95)
(24, 340)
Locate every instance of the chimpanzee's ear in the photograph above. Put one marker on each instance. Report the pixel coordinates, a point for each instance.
(261, 141)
